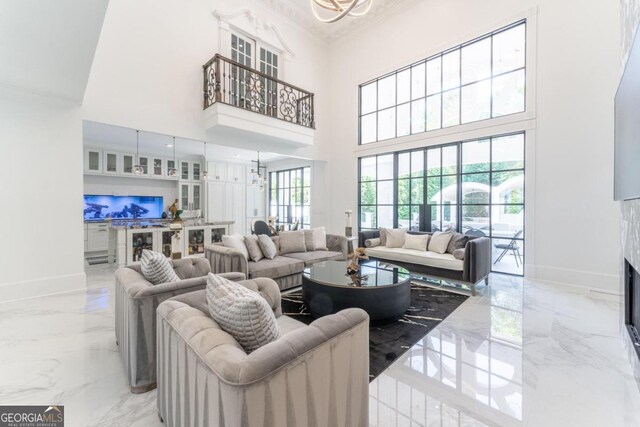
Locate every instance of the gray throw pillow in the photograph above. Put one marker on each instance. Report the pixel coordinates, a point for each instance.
(292, 242)
(308, 240)
(267, 246)
(371, 243)
(236, 241)
(156, 268)
(458, 254)
(255, 253)
(458, 241)
(242, 313)
(395, 237)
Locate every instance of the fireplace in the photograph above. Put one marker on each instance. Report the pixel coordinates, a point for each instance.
(632, 304)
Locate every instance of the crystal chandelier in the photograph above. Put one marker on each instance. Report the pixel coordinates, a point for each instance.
(257, 179)
(340, 8)
(137, 168)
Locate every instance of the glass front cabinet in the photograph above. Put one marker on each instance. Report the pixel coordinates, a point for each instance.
(139, 240)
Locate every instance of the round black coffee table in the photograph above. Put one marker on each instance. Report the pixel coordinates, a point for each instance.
(384, 290)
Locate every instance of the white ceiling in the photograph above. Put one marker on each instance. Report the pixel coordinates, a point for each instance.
(299, 12)
(119, 138)
(47, 46)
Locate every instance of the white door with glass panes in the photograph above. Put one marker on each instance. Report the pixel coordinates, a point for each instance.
(242, 49)
(190, 196)
(269, 95)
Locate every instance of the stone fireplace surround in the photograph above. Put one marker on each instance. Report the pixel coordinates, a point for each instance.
(630, 239)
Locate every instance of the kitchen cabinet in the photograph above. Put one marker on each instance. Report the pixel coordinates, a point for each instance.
(217, 171)
(236, 173)
(112, 163)
(128, 161)
(93, 160)
(138, 240)
(157, 166)
(97, 237)
(190, 170)
(190, 196)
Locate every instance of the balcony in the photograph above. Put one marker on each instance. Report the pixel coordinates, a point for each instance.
(243, 102)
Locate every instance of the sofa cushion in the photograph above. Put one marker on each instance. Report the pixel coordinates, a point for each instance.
(268, 246)
(320, 239)
(280, 266)
(255, 253)
(156, 268)
(242, 313)
(418, 242)
(458, 254)
(236, 241)
(440, 241)
(395, 237)
(292, 241)
(458, 241)
(411, 256)
(308, 240)
(316, 256)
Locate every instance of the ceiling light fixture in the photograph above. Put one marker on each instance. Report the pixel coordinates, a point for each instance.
(257, 178)
(343, 8)
(137, 168)
(173, 171)
(205, 174)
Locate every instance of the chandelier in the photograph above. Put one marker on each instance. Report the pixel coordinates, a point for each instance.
(341, 8)
(257, 177)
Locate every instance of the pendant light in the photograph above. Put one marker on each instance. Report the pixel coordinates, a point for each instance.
(173, 171)
(137, 168)
(257, 180)
(339, 9)
(205, 174)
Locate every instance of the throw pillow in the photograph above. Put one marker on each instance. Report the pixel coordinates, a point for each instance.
(458, 254)
(308, 240)
(267, 246)
(236, 241)
(241, 312)
(458, 241)
(383, 236)
(371, 243)
(255, 253)
(395, 237)
(440, 241)
(156, 268)
(418, 242)
(292, 242)
(320, 239)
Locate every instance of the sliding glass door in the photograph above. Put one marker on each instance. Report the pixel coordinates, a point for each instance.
(475, 187)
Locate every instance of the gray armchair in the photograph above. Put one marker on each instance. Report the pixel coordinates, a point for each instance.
(136, 302)
(312, 375)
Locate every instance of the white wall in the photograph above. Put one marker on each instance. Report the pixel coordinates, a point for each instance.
(41, 192)
(577, 66)
(119, 186)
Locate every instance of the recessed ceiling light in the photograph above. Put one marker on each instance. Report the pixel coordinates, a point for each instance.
(237, 155)
(169, 145)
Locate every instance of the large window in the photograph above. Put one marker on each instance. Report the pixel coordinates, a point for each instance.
(481, 79)
(475, 187)
(289, 197)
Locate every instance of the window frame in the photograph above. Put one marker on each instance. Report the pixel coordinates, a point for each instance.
(303, 185)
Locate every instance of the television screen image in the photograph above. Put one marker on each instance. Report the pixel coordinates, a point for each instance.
(122, 207)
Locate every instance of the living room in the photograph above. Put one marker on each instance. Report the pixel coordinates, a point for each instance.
(317, 160)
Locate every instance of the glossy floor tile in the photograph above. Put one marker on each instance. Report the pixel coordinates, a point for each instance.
(520, 354)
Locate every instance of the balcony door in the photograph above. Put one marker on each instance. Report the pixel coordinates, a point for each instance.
(269, 89)
(242, 51)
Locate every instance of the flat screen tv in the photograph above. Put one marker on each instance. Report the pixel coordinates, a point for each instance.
(122, 207)
(627, 129)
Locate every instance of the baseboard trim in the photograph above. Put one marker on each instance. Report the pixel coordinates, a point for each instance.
(13, 291)
(587, 280)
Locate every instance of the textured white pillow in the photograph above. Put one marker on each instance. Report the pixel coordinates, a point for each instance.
(418, 242)
(439, 241)
(395, 237)
(241, 312)
(236, 241)
(156, 268)
(320, 238)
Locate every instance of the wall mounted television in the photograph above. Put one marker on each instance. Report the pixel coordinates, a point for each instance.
(627, 129)
(98, 207)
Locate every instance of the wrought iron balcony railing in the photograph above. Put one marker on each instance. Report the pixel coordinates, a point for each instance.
(232, 83)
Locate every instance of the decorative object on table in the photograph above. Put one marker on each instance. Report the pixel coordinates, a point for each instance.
(428, 307)
(164, 215)
(348, 228)
(175, 212)
(340, 8)
(354, 267)
(176, 244)
(271, 220)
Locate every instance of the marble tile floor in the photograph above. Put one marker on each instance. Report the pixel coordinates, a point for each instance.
(523, 353)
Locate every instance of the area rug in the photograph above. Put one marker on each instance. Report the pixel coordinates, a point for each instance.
(388, 342)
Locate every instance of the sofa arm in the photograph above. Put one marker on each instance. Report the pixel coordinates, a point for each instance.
(268, 289)
(477, 259)
(337, 243)
(365, 235)
(226, 260)
(183, 286)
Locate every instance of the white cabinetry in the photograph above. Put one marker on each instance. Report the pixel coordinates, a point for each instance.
(92, 160)
(112, 163)
(97, 237)
(217, 171)
(227, 201)
(236, 173)
(190, 170)
(190, 195)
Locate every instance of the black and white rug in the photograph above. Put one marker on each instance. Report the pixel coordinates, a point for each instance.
(388, 342)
